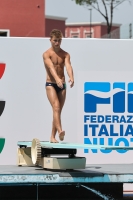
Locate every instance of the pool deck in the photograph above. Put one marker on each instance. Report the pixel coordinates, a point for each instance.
(96, 173)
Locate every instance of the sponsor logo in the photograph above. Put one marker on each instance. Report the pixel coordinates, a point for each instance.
(108, 114)
(96, 93)
(2, 69)
(47, 161)
(2, 143)
(2, 104)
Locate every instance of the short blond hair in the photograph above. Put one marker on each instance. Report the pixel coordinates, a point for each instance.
(57, 33)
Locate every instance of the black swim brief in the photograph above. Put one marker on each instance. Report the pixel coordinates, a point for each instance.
(57, 89)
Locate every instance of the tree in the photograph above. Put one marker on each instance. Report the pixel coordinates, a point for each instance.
(111, 4)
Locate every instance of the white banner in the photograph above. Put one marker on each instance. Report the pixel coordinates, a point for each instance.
(27, 113)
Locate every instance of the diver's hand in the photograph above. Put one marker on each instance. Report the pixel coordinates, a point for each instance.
(71, 81)
(59, 83)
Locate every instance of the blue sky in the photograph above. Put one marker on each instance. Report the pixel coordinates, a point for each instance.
(75, 13)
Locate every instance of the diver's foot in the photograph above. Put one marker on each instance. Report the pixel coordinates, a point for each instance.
(61, 135)
(53, 140)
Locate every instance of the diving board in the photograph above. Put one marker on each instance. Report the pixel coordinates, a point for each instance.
(41, 153)
(66, 145)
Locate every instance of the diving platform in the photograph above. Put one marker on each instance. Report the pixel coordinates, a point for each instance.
(56, 166)
(105, 178)
(93, 173)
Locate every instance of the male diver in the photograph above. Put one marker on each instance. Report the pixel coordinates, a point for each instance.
(55, 59)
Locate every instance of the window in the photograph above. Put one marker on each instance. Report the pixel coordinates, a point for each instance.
(4, 33)
(88, 35)
(74, 35)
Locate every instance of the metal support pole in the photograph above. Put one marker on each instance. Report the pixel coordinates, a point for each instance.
(90, 21)
(37, 191)
(130, 31)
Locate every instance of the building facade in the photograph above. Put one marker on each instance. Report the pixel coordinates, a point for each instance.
(93, 30)
(54, 22)
(26, 18)
(23, 19)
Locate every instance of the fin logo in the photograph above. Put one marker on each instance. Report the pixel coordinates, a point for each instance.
(100, 93)
(2, 104)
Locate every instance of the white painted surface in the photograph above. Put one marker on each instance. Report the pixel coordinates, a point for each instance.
(28, 113)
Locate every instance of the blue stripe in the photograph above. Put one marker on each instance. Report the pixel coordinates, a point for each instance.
(119, 85)
(130, 87)
(99, 86)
